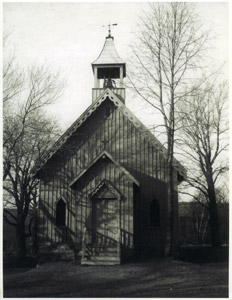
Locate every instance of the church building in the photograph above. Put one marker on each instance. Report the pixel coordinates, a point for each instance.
(103, 184)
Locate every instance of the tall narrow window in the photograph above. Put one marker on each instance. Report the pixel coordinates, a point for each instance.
(60, 213)
(154, 213)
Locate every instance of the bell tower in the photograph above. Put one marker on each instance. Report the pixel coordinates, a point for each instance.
(109, 70)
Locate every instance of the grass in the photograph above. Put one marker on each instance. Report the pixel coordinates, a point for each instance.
(167, 278)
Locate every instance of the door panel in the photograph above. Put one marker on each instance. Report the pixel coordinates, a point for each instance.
(105, 220)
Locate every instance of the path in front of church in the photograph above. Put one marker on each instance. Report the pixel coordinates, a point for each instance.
(167, 278)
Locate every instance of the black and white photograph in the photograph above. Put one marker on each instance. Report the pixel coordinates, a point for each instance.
(115, 156)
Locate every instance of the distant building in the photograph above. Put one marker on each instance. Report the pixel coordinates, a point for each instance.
(103, 184)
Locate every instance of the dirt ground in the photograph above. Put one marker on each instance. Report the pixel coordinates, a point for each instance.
(155, 278)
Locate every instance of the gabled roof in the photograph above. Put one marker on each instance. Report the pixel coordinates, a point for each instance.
(104, 155)
(107, 94)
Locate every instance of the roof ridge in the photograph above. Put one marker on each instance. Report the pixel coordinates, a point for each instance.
(82, 118)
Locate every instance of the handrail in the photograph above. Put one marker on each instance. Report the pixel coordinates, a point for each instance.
(84, 243)
(119, 243)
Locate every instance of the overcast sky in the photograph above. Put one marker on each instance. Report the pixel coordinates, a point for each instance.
(70, 36)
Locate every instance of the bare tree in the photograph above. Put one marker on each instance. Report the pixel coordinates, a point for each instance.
(199, 218)
(167, 59)
(27, 132)
(204, 137)
(12, 78)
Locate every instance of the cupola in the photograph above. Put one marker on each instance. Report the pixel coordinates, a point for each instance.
(109, 70)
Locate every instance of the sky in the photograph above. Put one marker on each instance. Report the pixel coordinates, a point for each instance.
(69, 36)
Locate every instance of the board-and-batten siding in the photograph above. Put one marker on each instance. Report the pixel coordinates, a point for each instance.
(107, 129)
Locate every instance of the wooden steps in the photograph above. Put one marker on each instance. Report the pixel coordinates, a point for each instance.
(100, 255)
(55, 252)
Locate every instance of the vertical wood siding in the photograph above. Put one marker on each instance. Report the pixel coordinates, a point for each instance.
(107, 129)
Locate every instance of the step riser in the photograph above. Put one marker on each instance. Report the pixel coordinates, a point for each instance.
(97, 258)
(100, 263)
(107, 254)
(104, 254)
(100, 255)
(100, 259)
(102, 250)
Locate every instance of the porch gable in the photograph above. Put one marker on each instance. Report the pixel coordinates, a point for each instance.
(103, 155)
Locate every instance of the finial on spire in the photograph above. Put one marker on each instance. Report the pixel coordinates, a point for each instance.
(109, 30)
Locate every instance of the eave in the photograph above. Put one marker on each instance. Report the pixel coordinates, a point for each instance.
(107, 94)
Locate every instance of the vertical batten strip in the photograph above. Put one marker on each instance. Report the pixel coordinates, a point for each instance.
(39, 215)
(55, 200)
(127, 144)
(52, 211)
(60, 193)
(136, 155)
(47, 211)
(119, 135)
(69, 207)
(81, 200)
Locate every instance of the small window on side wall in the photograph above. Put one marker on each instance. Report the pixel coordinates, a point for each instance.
(154, 213)
(60, 213)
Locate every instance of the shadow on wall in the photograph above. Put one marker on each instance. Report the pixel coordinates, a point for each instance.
(63, 234)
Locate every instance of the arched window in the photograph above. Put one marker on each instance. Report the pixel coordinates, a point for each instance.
(60, 213)
(154, 213)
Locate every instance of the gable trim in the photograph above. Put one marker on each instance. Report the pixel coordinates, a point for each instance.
(126, 112)
(101, 155)
(109, 186)
(68, 133)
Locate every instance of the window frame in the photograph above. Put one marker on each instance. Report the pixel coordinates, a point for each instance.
(65, 214)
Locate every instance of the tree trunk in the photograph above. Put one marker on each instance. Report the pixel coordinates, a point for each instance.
(170, 243)
(213, 217)
(171, 239)
(170, 225)
(34, 236)
(21, 239)
(20, 233)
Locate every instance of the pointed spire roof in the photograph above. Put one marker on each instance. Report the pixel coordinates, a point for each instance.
(109, 55)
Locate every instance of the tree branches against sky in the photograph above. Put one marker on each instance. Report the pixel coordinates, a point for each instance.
(70, 36)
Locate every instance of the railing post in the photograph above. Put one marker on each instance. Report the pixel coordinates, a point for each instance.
(119, 244)
(83, 244)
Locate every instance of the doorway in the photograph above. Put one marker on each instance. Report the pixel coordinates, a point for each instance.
(105, 219)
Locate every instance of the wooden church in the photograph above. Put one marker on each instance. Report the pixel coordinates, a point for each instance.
(103, 184)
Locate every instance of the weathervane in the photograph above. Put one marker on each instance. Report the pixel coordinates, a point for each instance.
(109, 35)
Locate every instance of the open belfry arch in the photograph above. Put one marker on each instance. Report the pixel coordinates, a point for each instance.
(109, 70)
(109, 173)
